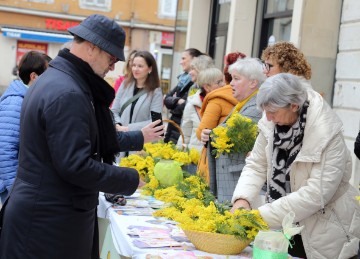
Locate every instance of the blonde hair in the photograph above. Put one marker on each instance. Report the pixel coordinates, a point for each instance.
(209, 76)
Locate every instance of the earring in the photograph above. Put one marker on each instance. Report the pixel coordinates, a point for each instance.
(149, 72)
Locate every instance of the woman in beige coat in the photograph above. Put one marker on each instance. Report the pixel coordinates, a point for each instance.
(300, 152)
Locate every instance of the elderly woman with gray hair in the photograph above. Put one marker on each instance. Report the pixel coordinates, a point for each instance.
(224, 171)
(301, 153)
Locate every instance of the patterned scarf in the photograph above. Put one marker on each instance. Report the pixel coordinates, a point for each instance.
(287, 144)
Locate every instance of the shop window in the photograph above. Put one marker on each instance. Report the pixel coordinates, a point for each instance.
(167, 9)
(219, 29)
(98, 5)
(276, 22)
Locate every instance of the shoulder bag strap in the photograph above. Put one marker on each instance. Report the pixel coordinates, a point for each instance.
(135, 97)
(197, 108)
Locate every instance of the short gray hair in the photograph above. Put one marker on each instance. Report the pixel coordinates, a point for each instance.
(202, 62)
(281, 90)
(251, 68)
(209, 76)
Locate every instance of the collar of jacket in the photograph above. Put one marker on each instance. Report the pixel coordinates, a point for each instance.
(67, 67)
(322, 124)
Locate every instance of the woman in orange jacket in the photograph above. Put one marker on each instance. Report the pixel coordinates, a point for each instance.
(217, 104)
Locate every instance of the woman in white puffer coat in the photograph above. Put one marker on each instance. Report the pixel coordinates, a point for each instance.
(300, 152)
(190, 122)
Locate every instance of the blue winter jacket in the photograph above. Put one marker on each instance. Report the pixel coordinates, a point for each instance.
(10, 107)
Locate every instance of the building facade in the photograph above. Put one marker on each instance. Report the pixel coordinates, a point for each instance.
(42, 25)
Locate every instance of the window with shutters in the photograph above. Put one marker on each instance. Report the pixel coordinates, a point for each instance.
(167, 9)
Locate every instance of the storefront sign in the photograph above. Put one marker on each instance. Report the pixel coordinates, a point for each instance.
(167, 39)
(59, 25)
(25, 46)
(36, 35)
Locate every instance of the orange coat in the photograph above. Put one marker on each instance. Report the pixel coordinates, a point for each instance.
(216, 106)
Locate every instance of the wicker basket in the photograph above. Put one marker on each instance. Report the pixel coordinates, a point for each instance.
(178, 128)
(216, 243)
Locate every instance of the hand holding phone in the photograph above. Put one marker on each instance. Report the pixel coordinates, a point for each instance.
(156, 116)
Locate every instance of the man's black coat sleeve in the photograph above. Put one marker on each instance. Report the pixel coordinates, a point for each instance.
(130, 140)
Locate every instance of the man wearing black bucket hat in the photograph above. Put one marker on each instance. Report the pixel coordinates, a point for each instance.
(67, 147)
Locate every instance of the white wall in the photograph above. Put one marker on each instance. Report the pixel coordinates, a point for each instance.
(7, 61)
(346, 100)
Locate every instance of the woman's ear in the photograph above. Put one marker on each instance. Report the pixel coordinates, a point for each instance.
(254, 84)
(294, 107)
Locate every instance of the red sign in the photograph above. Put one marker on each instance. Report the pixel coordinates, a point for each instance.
(59, 25)
(167, 39)
(25, 46)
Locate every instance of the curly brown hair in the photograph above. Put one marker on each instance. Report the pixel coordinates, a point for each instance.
(289, 58)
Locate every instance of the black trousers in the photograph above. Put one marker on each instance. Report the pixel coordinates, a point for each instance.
(297, 249)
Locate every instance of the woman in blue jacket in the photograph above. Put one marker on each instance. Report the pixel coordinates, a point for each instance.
(31, 65)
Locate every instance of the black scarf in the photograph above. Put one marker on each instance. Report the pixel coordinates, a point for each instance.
(103, 94)
(287, 144)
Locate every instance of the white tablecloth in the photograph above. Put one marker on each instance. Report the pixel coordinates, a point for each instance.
(123, 242)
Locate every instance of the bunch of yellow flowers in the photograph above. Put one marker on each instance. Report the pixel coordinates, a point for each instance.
(194, 208)
(144, 161)
(238, 135)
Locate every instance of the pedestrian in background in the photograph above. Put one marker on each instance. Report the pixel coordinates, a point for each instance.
(126, 70)
(175, 100)
(31, 65)
(191, 117)
(138, 96)
(68, 146)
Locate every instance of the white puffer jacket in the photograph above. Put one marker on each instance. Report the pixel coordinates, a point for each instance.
(322, 198)
(190, 122)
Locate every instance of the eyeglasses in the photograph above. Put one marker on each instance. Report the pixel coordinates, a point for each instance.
(113, 59)
(267, 66)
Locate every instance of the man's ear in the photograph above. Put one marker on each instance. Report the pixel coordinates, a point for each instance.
(90, 48)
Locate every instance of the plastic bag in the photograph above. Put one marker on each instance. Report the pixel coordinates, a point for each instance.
(274, 244)
(168, 172)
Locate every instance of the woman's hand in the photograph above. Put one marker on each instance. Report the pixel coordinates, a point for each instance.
(205, 136)
(121, 128)
(180, 101)
(240, 203)
(141, 183)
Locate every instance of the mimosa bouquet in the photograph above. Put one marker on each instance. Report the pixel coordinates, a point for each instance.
(193, 206)
(236, 136)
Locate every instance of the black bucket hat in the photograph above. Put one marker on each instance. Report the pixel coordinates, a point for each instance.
(102, 32)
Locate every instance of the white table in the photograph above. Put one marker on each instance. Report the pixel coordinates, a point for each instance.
(117, 239)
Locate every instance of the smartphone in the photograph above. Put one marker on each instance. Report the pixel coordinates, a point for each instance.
(156, 116)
